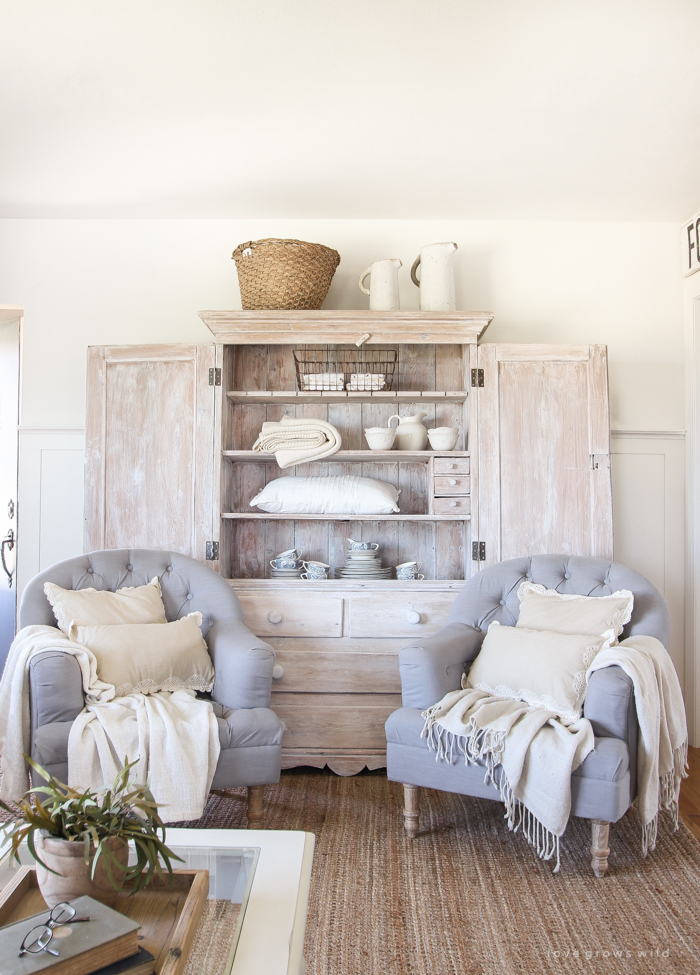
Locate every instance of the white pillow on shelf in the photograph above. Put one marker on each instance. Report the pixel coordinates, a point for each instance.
(547, 609)
(342, 494)
(544, 669)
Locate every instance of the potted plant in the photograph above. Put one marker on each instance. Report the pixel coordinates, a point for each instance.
(80, 840)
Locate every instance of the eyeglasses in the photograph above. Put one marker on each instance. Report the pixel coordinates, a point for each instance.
(39, 938)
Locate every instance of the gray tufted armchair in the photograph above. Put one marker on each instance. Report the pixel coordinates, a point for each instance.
(605, 784)
(249, 732)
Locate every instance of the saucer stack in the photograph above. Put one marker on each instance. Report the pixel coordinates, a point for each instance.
(363, 564)
(287, 573)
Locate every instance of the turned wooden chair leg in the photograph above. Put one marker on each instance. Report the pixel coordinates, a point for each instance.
(411, 809)
(600, 851)
(255, 806)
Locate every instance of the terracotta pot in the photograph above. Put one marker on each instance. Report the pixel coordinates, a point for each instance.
(72, 878)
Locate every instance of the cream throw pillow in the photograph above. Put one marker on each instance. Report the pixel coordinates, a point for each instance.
(134, 604)
(547, 609)
(147, 657)
(546, 670)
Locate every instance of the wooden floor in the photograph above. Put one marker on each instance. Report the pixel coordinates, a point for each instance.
(690, 793)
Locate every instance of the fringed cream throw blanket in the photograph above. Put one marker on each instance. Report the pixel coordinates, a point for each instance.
(174, 736)
(294, 441)
(529, 753)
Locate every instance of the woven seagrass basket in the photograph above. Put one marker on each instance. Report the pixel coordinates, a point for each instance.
(284, 273)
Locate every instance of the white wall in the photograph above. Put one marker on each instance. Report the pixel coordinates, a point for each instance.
(94, 282)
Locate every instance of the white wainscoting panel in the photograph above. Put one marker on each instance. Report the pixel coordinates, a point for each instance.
(50, 510)
(648, 479)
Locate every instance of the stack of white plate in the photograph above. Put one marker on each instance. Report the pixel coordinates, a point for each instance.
(287, 573)
(363, 565)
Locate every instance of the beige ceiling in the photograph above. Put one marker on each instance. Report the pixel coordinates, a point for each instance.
(576, 109)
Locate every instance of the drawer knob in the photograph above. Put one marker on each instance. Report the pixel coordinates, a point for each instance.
(453, 481)
(451, 467)
(277, 672)
(413, 617)
(453, 504)
(274, 616)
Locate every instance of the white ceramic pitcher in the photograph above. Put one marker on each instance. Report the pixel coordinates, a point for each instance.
(410, 433)
(383, 286)
(437, 277)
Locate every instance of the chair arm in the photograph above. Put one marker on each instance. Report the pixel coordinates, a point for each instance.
(609, 705)
(435, 666)
(243, 664)
(55, 688)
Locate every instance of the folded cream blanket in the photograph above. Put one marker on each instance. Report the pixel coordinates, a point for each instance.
(529, 753)
(174, 736)
(295, 441)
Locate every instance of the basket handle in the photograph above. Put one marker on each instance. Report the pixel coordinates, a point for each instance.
(413, 272)
(362, 278)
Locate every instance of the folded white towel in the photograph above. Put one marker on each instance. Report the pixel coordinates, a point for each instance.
(298, 441)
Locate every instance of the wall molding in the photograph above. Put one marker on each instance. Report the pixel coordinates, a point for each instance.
(648, 434)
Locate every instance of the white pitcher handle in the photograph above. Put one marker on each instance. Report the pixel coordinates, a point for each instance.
(362, 278)
(394, 417)
(413, 272)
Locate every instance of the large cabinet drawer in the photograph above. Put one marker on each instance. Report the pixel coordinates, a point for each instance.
(294, 614)
(335, 720)
(327, 672)
(401, 615)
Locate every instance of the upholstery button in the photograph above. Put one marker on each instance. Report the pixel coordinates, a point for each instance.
(478, 629)
(567, 575)
(190, 596)
(503, 602)
(90, 570)
(169, 569)
(129, 567)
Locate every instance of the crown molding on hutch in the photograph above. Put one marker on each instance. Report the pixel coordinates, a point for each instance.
(345, 327)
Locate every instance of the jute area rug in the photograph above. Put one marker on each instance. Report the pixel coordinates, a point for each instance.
(468, 897)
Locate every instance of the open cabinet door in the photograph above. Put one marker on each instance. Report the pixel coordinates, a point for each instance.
(149, 458)
(543, 452)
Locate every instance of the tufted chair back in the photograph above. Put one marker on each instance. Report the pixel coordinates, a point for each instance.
(187, 585)
(493, 593)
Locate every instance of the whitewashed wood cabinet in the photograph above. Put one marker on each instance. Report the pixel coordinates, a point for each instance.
(169, 464)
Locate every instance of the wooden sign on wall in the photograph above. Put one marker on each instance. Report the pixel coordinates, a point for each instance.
(690, 245)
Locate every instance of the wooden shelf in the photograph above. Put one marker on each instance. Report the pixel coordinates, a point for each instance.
(345, 327)
(350, 456)
(379, 396)
(268, 516)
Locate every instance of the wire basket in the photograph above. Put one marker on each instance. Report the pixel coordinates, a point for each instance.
(355, 370)
(284, 273)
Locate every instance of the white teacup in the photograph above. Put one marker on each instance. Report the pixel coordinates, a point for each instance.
(409, 570)
(362, 546)
(315, 570)
(443, 438)
(380, 438)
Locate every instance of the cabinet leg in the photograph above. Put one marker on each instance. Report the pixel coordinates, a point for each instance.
(600, 851)
(255, 806)
(411, 809)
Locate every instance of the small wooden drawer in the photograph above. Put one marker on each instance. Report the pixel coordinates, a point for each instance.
(446, 486)
(403, 614)
(452, 506)
(301, 614)
(451, 465)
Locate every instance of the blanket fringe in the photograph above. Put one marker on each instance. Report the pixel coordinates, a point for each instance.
(669, 793)
(487, 746)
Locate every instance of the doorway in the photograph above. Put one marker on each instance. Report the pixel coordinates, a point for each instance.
(10, 358)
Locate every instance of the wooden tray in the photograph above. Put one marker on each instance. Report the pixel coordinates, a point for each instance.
(168, 917)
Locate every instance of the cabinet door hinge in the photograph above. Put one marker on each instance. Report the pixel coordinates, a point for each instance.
(479, 551)
(477, 377)
(212, 553)
(215, 377)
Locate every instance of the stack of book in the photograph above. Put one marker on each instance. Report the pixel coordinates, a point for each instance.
(105, 945)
